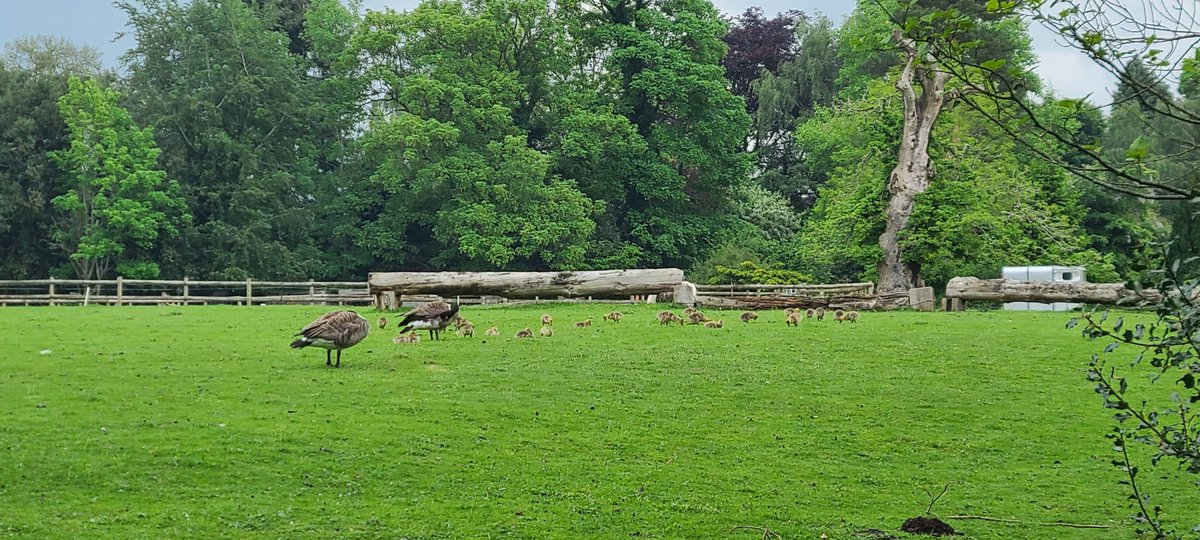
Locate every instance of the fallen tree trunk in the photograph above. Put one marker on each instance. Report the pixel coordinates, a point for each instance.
(528, 285)
(1011, 290)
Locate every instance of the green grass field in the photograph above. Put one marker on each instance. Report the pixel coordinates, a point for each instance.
(201, 422)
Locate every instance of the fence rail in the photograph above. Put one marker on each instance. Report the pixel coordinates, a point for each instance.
(180, 292)
(814, 291)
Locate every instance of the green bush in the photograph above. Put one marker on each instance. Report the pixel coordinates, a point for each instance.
(748, 272)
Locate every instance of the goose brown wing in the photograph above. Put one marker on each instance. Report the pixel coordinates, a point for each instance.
(332, 325)
(424, 312)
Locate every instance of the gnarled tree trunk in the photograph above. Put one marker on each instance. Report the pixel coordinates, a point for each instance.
(913, 167)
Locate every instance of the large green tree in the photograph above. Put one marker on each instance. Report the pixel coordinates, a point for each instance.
(30, 128)
(120, 205)
(33, 76)
(239, 122)
(927, 88)
(993, 204)
(653, 88)
(788, 97)
(453, 181)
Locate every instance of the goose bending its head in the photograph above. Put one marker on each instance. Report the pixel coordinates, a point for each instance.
(434, 316)
(333, 331)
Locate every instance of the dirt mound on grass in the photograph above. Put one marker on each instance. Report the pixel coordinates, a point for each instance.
(930, 526)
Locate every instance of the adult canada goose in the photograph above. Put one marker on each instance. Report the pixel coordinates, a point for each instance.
(333, 331)
(433, 316)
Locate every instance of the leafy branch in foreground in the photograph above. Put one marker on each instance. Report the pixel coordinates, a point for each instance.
(1165, 348)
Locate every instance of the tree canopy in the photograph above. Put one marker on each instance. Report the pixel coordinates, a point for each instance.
(313, 139)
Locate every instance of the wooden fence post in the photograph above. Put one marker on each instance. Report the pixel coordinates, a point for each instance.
(312, 290)
(51, 291)
(120, 290)
(249, 293)
(185, 290)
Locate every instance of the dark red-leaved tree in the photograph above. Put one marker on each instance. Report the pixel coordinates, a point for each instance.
(757, 43)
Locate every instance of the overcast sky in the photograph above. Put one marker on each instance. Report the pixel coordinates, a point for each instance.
(97, 23)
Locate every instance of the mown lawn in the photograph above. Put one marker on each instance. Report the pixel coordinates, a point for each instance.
(201, 422)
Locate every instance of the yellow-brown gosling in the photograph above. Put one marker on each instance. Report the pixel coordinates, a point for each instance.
(493, 331)
(820, 314)
(547, 320)
(749, 316)
(810, 313)
(793, 319)
(546, 331)
(526, 333)
(614, 316)
(714, 324)
(839, 315)
(466, 330)
(383, 323)
(852, 316)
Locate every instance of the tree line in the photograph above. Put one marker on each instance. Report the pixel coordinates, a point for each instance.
(296, 139)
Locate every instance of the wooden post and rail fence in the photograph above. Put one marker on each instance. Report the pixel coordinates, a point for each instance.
(388, 290)
(186, 291)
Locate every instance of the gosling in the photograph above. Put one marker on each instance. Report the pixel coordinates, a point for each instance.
(493, 331)
(696, 317)
(614, 316)
(547, 320)
(666, 318)
(810, 313)
(526, 333)
(852, 316)
(546, 331)
(383, 323)
(714, 324)
(793, 319)
(839, 315)
(410, 337)
(584, 323)
(749, 316)
(820, 314)
(466, 330)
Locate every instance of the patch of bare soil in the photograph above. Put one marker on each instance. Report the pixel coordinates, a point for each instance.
(927, 525)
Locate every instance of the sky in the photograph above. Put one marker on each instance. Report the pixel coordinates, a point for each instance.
(98, 23)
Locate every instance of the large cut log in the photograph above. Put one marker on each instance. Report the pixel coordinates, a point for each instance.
(1011, 290)
(597, 284)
